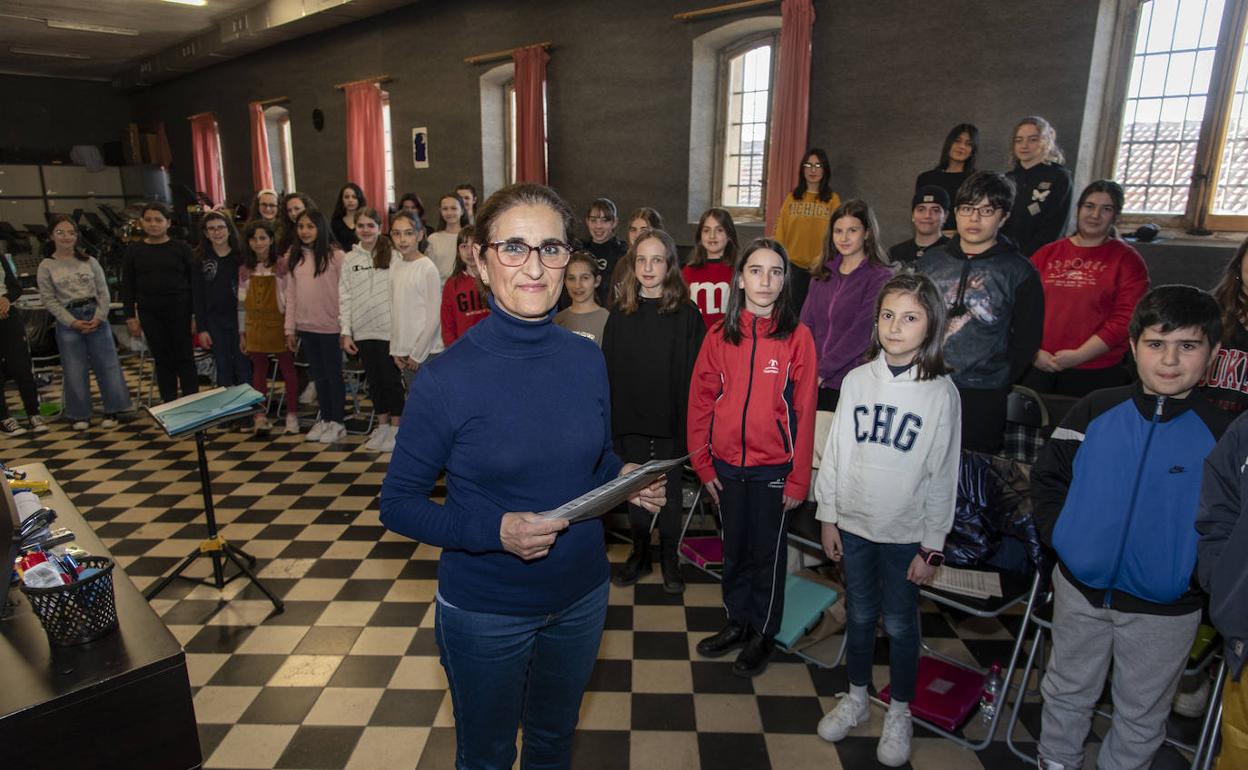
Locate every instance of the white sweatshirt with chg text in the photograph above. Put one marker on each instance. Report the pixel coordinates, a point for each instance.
(890, 468)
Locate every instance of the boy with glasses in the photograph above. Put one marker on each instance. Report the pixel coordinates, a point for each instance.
(996, 307)
(928, 210)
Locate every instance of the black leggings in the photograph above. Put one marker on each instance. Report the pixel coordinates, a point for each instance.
(15, 364)
(636, 448)
(385, 384)
(166, 326)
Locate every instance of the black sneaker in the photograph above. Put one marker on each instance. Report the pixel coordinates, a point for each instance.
(730, 638)
(11, 427)
(669, 561)
(754, 656)
(637, 566)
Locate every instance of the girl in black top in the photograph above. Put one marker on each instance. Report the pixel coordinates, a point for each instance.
(350, 200)
(214, 291)
(1042, 187)
(957, 162)
(156, 289)
(651, 342)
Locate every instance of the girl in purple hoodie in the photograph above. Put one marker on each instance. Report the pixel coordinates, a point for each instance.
(840, 304)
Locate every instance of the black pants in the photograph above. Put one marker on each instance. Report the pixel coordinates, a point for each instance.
(1076, 382)
(799, 284)
(166, 326)
(635, 448)
(755, 523)
(983, 419)
(15, 364)
(828, 399)
(385, 384)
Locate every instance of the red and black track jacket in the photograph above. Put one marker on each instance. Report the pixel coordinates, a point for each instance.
(753, 405)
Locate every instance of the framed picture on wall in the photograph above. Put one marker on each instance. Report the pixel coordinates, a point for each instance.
(420, 147)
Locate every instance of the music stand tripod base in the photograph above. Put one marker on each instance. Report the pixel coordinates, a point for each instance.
(215, 547)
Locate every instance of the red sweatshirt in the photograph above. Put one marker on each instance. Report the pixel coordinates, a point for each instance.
(462, 306)
(709, 286)
(753, 404)
(1089, 290)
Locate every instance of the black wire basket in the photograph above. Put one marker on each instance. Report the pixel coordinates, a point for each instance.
(78, 612)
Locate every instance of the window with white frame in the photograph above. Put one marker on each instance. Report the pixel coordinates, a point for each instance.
(746, 77)
(1183, 149)
(281, 150)
(389, 141)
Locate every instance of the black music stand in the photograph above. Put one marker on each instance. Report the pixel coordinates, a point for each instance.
(216, 547)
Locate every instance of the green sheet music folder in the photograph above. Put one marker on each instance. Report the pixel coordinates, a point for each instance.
(199, 409)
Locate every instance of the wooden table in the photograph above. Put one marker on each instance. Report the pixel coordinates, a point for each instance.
(122, 701)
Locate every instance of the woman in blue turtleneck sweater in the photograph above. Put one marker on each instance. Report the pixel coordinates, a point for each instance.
(518, 414)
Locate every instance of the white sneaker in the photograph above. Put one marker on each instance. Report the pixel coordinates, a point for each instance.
(108, 422)
(317, 430)
(81, 425)
(308, 396)
(391, 435)
(1193, 704)
(38, 424)
(893, 749)
(378, 437)
(837, 723)
(292, 423)
(334, 431)
(1048, 764)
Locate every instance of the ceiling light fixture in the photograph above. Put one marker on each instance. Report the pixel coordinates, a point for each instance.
(188, 2)
(44, 52)
(80, 27)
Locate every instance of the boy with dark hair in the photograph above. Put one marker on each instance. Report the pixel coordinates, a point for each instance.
(600, 220)
(996, 307)
(1222, 568)
(1115, 494)
(468, 194)
(928, 210)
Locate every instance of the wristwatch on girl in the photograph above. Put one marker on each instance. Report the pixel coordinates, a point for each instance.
(933, 558)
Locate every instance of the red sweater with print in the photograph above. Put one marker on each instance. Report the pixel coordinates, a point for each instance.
(462, 306)
(752, 405)
(710, 285)
(1089, 290)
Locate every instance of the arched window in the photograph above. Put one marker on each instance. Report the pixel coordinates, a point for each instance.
(730, 116)
(281, 149)
(745, 118)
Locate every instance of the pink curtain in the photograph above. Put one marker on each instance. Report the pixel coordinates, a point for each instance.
(791, 109)
(164, 157)
(531, 113)
(204, 144)
(366, 142)
(261, 169)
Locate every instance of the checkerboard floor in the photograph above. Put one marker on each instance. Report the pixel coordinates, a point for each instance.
(348, 676)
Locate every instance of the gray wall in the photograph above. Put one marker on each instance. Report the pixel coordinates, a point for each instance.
(888, 80)
(51, 115)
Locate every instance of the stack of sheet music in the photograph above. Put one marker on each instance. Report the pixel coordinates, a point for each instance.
(968, 582)
(199, 409)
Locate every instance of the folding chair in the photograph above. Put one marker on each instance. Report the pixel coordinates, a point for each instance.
(1039, 610)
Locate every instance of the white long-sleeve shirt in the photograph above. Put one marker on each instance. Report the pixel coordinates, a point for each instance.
(364, 296)
(890, 467)
(415, 309)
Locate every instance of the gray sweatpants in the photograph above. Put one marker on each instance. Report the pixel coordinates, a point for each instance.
(1148, 653)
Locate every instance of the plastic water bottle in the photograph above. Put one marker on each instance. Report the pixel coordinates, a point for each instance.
(990, 698)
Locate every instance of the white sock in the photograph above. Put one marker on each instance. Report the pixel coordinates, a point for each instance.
(858, 693)
(897, 706)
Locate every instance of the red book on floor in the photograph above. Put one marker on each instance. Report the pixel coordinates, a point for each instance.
(944, 694)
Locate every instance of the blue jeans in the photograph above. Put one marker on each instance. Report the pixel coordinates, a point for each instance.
(504, 669)
(325, 367)
(95, 350)
(233, 366)
(875, 581)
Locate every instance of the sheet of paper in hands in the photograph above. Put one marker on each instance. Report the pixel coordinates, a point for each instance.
(606, 497)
